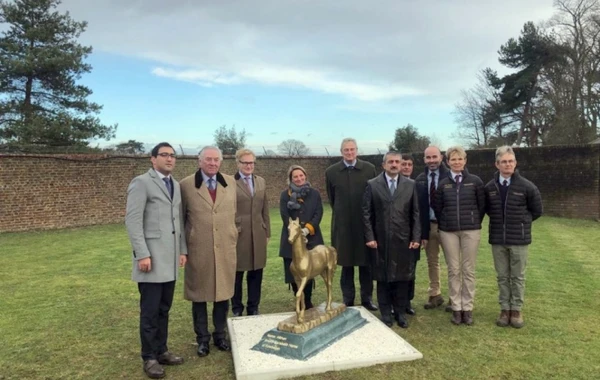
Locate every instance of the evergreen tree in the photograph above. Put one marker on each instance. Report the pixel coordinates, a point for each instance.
(40, 62)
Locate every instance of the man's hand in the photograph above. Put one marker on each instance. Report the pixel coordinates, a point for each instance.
(424, 244)
(414, 245)
(372, 244)
(305, 231)
(145, 265)
(182, 260)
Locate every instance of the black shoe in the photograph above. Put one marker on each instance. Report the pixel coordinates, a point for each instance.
(153, 369)
(253, 312)
(387, 321)
(410, 311)
(168, 358)
(402, 322)
(203, 349)
(308, 305)
(222, 345)
(237, 313)
(370, 306)
(349, 304)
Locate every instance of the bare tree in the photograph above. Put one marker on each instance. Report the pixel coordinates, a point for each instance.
(293, 148)
(476, 114)
(577, 26)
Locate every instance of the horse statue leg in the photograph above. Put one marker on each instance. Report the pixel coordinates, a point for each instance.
(300, 305)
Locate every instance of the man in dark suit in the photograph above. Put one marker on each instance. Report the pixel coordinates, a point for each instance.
(346, 181)
(428, 180)
(392, 230)
(406, 169)
(154, 225)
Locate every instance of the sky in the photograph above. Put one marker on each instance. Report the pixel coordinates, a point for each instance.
(315, 71)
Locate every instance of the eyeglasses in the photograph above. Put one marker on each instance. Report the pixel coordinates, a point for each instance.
(507, 162)
(165, 155)
(247, 162)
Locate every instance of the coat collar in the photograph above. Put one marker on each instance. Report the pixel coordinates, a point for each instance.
(198, 179)
(443, 170)
(161, 185)
(360, 165)
(238, 176)
(515, 176)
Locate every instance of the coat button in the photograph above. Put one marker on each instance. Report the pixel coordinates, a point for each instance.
(173, 232)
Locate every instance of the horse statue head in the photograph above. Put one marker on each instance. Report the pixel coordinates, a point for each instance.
(294, 230)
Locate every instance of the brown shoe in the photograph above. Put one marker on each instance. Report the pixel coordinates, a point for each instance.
(467, 317)
(516, 319)
(433, 302)
(153, 369)
(169, 358)
(448, 306)
(456, 317)
(503, 319)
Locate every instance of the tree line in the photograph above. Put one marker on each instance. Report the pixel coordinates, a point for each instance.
(551, 96)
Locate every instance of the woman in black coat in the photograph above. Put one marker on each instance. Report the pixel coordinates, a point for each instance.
(301, 201)
(459, 206)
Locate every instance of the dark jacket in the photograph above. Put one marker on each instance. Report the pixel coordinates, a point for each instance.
(511, 225)
(345, 189)
(423, 189)
(392, 221)
(459, 208)
(310, 212)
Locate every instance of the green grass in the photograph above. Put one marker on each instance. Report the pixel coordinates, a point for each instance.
(69, 310)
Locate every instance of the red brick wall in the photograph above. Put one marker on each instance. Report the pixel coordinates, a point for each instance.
(57, 191)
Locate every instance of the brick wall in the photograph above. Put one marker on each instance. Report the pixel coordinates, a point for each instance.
(48, 192)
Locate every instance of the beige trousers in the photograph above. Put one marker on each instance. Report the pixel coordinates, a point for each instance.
(460, 250)
(432, 251)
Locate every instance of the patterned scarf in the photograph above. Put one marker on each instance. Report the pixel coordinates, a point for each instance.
(297, 193)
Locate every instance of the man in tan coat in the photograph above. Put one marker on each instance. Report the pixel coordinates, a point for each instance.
(209, 207)
(254, 228)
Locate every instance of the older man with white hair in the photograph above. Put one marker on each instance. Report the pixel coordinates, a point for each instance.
(512, 203)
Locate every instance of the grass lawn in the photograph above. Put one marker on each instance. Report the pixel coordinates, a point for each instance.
(68, 309)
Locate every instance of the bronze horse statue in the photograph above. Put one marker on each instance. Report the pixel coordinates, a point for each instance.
(308, 264)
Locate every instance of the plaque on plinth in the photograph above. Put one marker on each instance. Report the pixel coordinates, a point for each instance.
(320, 329)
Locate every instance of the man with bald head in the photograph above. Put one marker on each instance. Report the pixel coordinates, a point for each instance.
(434, 170)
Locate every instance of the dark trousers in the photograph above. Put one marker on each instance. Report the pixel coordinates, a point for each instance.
(392, 294)
(254, 283)
(200, 317)
(411, 286)
(155, 302)
(347, 284)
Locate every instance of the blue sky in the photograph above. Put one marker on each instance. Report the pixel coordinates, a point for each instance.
(316, 71)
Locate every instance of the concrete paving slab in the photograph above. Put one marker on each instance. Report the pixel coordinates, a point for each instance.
(374, 343)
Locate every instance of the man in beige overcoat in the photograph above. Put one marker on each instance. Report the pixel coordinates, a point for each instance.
(254, 228)
(209, 206)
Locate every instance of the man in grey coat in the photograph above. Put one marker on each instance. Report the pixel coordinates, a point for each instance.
(154, 224)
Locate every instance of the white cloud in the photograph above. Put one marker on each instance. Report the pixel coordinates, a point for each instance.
(370, 51)
(291, 77)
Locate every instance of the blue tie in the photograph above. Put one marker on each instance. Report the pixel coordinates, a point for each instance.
(167, 182)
